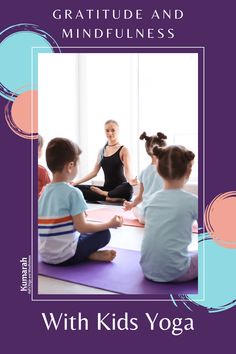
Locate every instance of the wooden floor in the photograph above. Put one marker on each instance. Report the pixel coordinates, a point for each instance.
(125, 237)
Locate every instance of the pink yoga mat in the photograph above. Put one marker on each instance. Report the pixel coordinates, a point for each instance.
(104, 214)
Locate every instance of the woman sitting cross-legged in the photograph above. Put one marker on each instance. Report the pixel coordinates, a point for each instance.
(114, 160)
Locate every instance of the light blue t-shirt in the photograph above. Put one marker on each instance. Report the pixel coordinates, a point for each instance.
(169, 216)
(57, 205)
(152, 182)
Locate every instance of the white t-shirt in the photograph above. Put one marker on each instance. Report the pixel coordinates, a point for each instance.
(169, 216)
(57, 236)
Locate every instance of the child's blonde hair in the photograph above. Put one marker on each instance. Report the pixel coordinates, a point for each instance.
(40, 141)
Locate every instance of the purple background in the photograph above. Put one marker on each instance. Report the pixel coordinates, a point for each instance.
(209, 25)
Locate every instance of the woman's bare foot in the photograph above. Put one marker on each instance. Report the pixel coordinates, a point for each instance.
(103, 256)
(115, 200)
(98, 191)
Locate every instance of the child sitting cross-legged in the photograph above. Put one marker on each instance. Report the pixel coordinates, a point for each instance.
(150, 181)
(169, 215)
(65, 237)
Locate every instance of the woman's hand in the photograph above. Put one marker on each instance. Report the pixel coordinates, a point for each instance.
(90, 175)
(125, 158)
(133, 181)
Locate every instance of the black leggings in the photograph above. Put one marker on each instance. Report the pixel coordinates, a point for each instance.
(123, 191)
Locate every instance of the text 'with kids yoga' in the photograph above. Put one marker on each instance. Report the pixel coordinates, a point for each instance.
(111, 322)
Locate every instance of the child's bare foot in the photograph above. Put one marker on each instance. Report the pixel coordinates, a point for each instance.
(103, 256)
(98, 191)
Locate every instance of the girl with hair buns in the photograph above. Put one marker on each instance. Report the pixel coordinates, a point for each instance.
(114, 159)
(168, 220)
(150, 181)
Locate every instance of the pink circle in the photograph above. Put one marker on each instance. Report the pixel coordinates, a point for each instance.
(220, 219)
(25, 111)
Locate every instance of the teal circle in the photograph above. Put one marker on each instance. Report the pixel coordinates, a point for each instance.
(216, 277)
(19, 62)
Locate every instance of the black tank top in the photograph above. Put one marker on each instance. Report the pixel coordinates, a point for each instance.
(113, 170)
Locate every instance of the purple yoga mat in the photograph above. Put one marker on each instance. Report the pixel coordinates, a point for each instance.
(123, 276)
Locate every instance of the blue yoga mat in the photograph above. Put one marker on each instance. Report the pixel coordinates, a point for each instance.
(123, 276)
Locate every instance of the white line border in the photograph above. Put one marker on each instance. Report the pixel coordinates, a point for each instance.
(203, 156)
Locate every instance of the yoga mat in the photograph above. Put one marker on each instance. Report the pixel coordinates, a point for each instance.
(123, 276)
(104, 214)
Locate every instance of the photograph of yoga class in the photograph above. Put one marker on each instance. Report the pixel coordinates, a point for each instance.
(118, 173)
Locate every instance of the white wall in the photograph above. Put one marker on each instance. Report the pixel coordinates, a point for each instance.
(151, 92)
(58, 96)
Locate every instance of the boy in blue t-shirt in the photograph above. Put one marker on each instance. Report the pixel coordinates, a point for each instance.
(61, 213)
